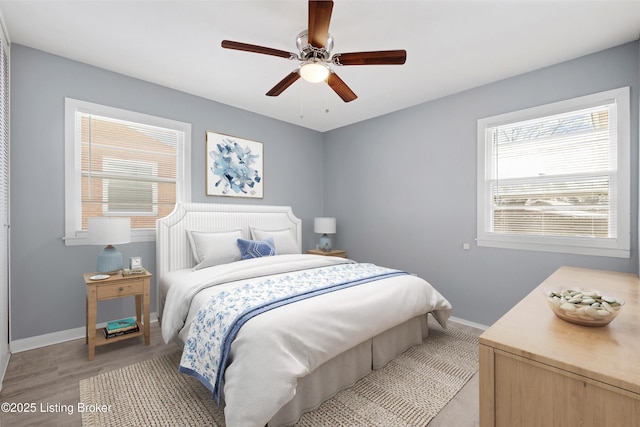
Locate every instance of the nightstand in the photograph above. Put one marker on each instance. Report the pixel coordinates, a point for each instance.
(117, 286)
(332, 252)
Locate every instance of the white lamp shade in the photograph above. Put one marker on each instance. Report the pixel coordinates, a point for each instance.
(109, 230)
(324, 225)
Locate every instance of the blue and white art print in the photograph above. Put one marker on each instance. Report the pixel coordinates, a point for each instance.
(234, 166)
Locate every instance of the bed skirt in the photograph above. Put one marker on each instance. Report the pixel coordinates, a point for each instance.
(345, 369)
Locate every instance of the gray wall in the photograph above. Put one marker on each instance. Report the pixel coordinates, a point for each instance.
(403, 186)
(47, 291)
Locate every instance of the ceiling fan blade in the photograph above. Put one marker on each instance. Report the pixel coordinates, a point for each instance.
(319, 19)
(228, 44)
(284, 83)
(381, 57)
(341, 88)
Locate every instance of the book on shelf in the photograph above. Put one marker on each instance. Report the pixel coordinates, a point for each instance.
(108, 334)
(121, 325)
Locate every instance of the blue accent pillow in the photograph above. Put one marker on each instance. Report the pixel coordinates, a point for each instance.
(256, 248)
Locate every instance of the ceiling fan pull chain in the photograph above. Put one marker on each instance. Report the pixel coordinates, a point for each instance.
(326, 101)
(302, 101)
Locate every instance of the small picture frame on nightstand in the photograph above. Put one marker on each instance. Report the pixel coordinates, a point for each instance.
(135, 263)
(135, 267)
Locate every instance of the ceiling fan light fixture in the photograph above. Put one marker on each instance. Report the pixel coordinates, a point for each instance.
(314, 72)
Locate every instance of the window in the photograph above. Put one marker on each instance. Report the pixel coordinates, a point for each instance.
(556, 177)
(121, 163)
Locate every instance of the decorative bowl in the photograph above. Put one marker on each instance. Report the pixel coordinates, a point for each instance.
(584, 307)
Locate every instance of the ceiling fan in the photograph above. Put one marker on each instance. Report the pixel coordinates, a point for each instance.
(315, 45)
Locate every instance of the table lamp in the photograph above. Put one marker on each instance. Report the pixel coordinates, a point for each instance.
(109, 231)
(324, 226)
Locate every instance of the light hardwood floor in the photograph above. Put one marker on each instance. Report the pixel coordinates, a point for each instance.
(48, 377)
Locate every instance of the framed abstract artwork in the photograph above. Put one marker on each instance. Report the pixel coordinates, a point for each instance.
(234, 166)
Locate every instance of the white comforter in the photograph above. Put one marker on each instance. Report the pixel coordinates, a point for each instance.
(273, 350)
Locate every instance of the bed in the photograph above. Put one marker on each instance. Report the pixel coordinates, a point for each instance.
(287, 358)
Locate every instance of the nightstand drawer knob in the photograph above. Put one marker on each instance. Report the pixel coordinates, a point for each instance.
(121, 289)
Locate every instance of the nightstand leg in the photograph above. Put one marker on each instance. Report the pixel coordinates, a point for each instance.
(146, 297)
(139, 308)
(92, 307)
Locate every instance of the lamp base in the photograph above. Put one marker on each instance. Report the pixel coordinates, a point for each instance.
(324, 243)
(109, 260)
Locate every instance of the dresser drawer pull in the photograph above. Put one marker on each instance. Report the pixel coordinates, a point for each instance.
(121, 289)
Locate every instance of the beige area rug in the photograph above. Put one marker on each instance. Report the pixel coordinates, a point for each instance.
(409, 391)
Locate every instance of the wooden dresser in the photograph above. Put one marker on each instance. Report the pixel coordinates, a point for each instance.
(538, 370)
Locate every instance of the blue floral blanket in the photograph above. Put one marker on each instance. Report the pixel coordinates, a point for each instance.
(216, 324)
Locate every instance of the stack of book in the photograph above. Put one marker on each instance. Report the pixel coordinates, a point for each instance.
(121, 327)
(133, 271)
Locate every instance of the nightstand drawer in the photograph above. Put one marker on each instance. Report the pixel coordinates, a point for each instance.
(117, 290)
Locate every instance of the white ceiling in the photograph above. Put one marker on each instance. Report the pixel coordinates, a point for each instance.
(451, 46)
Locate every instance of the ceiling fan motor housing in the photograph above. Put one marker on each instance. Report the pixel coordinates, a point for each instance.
(308, 52)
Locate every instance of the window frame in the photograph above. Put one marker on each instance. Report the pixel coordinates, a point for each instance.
(74, 235)
(618, 246)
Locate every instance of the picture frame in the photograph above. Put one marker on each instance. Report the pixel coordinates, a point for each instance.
(234, 166)
(135, 263)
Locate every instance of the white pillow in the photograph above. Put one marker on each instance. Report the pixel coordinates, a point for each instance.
(213, 248)
(283, 240)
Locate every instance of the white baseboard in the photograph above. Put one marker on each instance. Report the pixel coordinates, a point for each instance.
(39, 341)
(469, 323)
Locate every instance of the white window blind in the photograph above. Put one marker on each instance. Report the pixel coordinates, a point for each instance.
(552, 176)
(555, 179)
(4, 196)
(124, 164)
(128, 169)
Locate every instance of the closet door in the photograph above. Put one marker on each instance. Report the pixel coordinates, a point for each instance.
(4, 204)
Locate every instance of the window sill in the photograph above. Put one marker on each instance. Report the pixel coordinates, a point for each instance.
(146, 235)
(556, 248)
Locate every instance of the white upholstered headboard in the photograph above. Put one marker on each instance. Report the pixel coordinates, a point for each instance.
(173, 251)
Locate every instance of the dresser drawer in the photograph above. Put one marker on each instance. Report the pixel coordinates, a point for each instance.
(117, 290)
